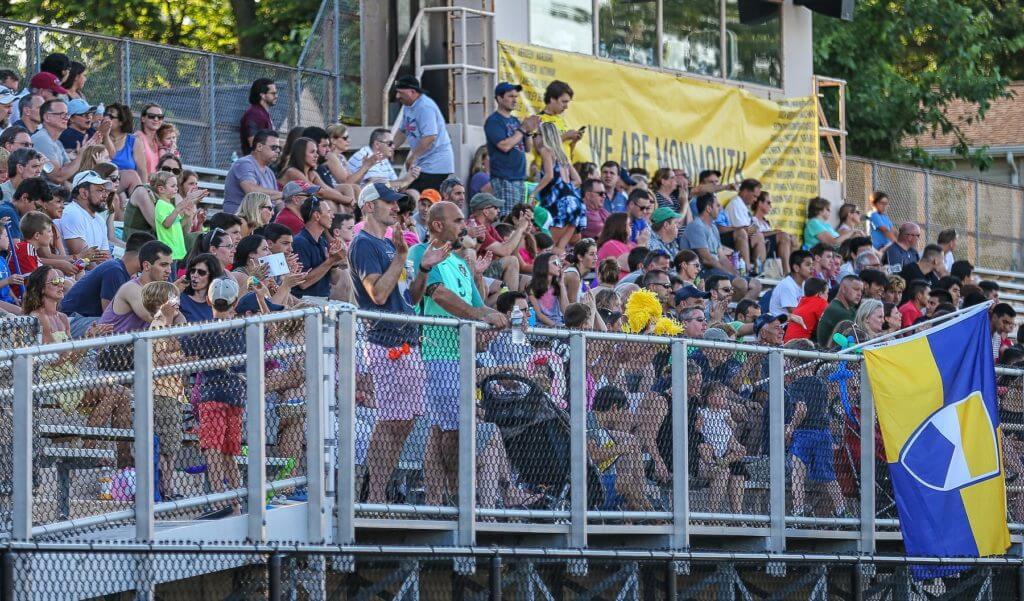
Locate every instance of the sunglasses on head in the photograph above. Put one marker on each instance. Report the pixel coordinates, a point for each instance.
(210, 235)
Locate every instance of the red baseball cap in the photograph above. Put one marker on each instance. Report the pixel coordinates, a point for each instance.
(46, 81)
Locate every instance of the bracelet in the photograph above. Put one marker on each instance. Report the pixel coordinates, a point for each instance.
(424, 270)
(522, 131)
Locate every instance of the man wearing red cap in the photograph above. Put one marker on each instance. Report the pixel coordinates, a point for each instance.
(46, 85)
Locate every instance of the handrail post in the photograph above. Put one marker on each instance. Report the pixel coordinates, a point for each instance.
(314, 427)
(776, 451)
(577, 441)
(345, 400)
(144, 435)
(255, 433)
(467, 434)
(212, 99)
(867, 464)
(680, 409)
(23, 493)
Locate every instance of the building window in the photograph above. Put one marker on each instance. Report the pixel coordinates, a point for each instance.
(563, 25)
(753, 52)
(628, 30)
(691, 38)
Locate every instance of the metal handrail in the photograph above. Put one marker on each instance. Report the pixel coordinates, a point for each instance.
(414, 37)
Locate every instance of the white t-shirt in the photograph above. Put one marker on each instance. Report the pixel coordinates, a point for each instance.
(76, 222)
(785, 296)
(737, 213)
(382, 170)
(948, 260)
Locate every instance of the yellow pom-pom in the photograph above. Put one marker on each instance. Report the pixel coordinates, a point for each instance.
(642, 308)
(666, 326)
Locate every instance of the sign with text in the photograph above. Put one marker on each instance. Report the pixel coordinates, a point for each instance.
(640, 117)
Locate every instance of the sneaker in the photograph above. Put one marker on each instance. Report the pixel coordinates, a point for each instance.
(299, 495)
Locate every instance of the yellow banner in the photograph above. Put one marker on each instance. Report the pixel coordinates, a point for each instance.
(643, 118)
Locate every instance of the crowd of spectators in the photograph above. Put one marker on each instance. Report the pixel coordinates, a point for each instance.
(103, 233)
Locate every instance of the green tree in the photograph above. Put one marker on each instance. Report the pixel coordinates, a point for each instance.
(904, 62)
(267, 29)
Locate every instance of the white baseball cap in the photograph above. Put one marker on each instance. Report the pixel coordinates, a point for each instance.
(89, 177)
(9, 96)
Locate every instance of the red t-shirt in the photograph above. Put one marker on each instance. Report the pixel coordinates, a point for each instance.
(910, 313)
(810, 309)
(28, 261)
(291, 220)
(491, 237)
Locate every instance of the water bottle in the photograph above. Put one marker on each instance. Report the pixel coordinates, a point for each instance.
(409, 265)
(518, 336)
(234, 157)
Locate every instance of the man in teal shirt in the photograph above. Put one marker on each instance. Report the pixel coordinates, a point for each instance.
(449, 290)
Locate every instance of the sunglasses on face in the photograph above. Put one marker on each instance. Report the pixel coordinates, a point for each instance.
(197, 271)
(57, 281)
(154, 116)
(114, 178)
(174, 170)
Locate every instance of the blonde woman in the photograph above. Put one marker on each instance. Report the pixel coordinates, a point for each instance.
(558, 188)
(345, 180)
(870, 318)
(256, 211)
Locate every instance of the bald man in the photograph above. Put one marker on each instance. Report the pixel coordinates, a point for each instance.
(904, 250)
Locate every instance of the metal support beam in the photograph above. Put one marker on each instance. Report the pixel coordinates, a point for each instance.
(495, 578)
(255, 433)
(578, 440)
(777, 451)
(274, 577)
(144, 434)
(680, 448)
(344, 533)
(315, 430)
(867, 465)
(21, 513)
(211, 87)
(467, 434)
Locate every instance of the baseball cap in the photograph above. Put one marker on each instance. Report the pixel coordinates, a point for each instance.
(378, 191)
(8, 96)
(408, 82)
(298, 187)
(482, 200)
(689, 291)
(504, 87)
(766, 319)
(626, 177)
(708, 172)
(223, 289)
(88, 177)
(717, 334)
(80, 107)
(432, 195)
(663, 214)
(46, 81)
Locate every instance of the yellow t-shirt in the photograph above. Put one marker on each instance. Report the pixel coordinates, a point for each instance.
(580, 154)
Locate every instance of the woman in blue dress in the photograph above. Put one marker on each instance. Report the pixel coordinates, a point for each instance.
(558, 188)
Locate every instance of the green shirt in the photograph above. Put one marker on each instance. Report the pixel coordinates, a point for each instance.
(812, 228)
(442, 342)
(172, 236)
(834, 313)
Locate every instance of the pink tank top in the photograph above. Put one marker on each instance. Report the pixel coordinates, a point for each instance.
(151, 152)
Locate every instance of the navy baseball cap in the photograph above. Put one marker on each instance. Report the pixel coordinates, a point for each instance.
(504, 87)
(767, 318)
(378, 191)
(690, 291)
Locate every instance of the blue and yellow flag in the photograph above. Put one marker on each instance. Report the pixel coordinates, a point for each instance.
(935, 394)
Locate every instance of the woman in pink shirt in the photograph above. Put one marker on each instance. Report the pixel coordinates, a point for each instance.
(613, 243)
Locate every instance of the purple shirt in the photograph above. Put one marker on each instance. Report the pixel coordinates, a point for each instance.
(129, 322)
(254, 119)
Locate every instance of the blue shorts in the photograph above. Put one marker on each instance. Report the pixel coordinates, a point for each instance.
(814, 449)
(443, 394)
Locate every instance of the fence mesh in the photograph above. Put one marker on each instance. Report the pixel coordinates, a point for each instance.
(202, 94)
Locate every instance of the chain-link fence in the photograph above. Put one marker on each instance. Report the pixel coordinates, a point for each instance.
(203, 94)
(988, 217)
(300, 573)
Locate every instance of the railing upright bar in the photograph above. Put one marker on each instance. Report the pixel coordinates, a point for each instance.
(866, 543)
(680, 446)
(777, 451)
(577, 441)
(345, 401)
(144, 433)
(256, 431)
(314, 459)
(22, 468)
(211, 87)
(467, 434)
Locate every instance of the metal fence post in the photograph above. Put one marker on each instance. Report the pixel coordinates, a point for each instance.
(467, 434)
(874, 176)
(144, 435)
(255, 432)
(345, 406)
(21, 514)
(777, 451)
(295, 79)
(578, 440)
(927, 206)
(274, 577)
(867, 464)
(7, 589)
(314, 428)
(680, 448)
(38, 53)
(336, 70)
(212, 99)
(126, 73)
(977, 225)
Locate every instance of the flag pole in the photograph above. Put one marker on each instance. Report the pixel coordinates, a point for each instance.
(933, 321)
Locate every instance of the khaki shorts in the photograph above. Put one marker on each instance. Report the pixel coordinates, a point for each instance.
(167, 423)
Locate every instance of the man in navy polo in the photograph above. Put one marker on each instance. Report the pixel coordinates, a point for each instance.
(508, 141)
(317, 254)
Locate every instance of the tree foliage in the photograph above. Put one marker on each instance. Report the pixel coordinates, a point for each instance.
(904, 62)
(267, 29)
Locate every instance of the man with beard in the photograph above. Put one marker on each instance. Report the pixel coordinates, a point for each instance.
(82, 226)
(262, 96)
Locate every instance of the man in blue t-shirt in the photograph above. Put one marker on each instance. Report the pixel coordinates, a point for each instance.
(508, 141)
(317, 256)
(424, 127)
(85, 302)
(392, 349)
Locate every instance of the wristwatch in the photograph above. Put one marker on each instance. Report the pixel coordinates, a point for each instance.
(424, 270)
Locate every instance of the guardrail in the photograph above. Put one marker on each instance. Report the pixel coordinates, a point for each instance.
(570, 436)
